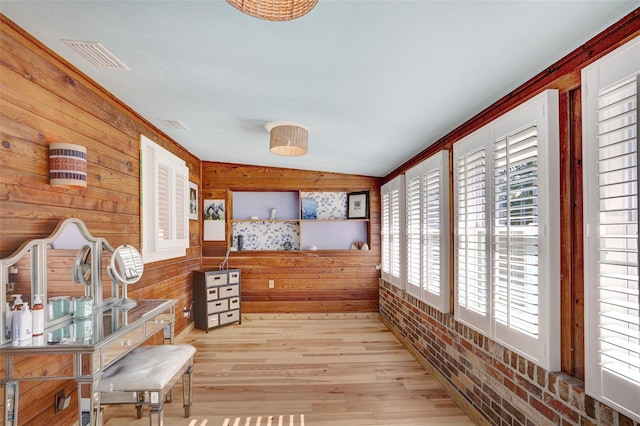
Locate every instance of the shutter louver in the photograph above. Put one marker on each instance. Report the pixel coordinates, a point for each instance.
(515, 231)
(618, 294)
(472, 232)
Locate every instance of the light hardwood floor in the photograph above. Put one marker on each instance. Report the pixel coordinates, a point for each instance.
(305, 371)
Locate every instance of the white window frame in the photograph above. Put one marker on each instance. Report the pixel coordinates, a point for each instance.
(163, 206)
(428, 237)
(607, 379)
(393, 231)
(542, 112)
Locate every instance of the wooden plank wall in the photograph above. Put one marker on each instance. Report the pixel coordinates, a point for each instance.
(323, 281)
(42, 100)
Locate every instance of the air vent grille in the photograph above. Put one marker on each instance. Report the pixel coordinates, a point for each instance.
(173, 124)
(96, 54)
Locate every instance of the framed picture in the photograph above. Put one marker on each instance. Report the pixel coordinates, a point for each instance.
(309, 209)
(193, 201)
(214, 220)
(358, 205)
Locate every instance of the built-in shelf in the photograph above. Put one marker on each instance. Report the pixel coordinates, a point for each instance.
(302, 221)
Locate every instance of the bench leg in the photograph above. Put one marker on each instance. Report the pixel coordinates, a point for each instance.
(139, 405)
(187, 392)
(156, 416)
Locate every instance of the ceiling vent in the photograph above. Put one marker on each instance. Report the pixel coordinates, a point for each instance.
(173, 124)
(95, 53)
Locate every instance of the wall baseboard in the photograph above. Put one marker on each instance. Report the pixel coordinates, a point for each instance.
(309, 316)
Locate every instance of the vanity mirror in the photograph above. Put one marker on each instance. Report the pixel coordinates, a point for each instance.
(125, 268)
(63, 267)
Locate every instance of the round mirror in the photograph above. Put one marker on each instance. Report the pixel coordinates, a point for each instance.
(81, 273)
(125, 268)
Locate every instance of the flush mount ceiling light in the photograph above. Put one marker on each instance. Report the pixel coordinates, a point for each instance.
(288, 139)
(274, 10)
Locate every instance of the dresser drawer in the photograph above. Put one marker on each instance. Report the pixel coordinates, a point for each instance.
(216, 279)
(230, 291)
(231, 316)
(120, 346)
(217, 306)
(234, 303)
(157, 323)
(213, 321)
(212, 293)
(234, 277)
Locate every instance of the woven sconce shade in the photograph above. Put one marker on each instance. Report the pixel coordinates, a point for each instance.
(67, 165)
(288, 139)
(274, 10)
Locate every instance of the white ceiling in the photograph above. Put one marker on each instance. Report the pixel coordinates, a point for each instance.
(375, 82)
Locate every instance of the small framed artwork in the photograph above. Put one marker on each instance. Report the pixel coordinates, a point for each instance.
(309, 209)
(358, 205)
(214, 220)
(193, 201)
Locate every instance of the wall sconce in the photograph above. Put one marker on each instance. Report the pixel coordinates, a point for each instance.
(67, 165)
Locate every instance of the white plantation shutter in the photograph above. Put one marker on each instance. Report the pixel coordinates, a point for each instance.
(181, 183)
(393, 231)
(515, 231)
(472, 245)
(165, 223)
(385, 231)
(507, 230)
(433, 224)
(164, 210)
(612, 297)
(428, 230)
(414, 237)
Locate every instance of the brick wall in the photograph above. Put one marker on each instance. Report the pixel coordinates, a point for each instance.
(503, 386)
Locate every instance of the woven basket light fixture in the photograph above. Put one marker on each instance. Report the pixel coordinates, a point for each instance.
(288, 139)
(274, 10)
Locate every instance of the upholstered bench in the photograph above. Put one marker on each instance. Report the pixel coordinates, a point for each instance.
(147, 375)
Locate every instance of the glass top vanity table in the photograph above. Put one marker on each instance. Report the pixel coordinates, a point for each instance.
(92, 339)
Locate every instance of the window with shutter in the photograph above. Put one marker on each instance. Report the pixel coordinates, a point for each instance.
(393, 231)
(164, 186)
(507, 230)
(612, 296)
(427, 201)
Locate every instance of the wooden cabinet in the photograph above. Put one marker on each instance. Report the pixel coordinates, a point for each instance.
(295, 220)
(216, 298)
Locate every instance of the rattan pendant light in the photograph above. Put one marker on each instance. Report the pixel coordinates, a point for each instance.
(274, 10)
(288, 139)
